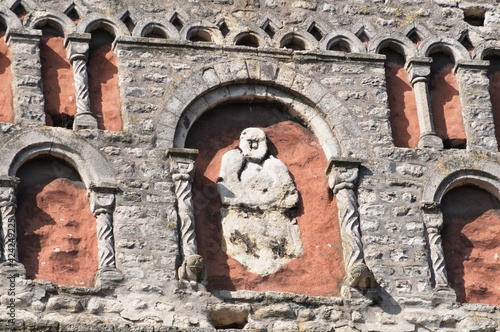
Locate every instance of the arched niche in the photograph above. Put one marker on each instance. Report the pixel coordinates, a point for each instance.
(57, 240)
(316, 271)
(253, 85)
(452, 173)
(471, 241)
(59, 152)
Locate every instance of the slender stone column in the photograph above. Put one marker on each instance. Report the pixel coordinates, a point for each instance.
(8, 186)
(419, 70)
(78, 45)
(182, 170)
(342, 179)
(102, 203)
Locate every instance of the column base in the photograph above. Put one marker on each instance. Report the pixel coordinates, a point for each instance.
(16, 268)
(430, 140)
(84, 121)
(107, 276)
(443, 294)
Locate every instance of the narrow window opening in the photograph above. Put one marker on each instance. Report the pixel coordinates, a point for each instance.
(268, 28)
(176, 21)
(155, 32)
(363, 37)
(341, 46)
(200, 36)
(20, 11)
(224, 29)
(414, 37)
(72, 13)
(465, 41)
(295, 43)
(313, 30)
(129, 22)
(474, 16)
(248, 40)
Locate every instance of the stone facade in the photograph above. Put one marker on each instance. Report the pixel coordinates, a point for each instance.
(161, 90)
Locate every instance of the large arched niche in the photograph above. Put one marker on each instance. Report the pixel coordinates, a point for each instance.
(57, 239)
(49, 161)
(316, 271)
(461, 206)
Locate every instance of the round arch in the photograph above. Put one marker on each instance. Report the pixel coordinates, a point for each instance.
(8, 18)
(453, 172)
(61, 22)
(251, 80)
(109, 23)
(452, 47)
(399, 41)
(87, 160)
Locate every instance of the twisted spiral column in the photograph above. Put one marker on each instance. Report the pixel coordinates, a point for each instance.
(182, 169)
(8, 207)
(433, 220)
(78, 48)
(102, 205)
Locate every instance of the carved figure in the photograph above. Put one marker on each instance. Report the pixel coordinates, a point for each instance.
(256, 191)
(193, 269)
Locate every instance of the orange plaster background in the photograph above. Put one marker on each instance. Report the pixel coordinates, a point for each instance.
(404, 116)
(58, 82)
(445, 100)
(57, 237)
(471, 242)
(103, 83)
(319, 271)
(6, 110)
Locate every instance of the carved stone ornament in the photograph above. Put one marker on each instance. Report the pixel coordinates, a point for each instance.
(182, 170)
(342, 179)
(8, 186)
(257, 191)
(193, 269)
(102, 203)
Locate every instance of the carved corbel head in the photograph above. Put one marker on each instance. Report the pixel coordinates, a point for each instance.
(193, 269)
(433, 219)
(181, 162)
(342, 173)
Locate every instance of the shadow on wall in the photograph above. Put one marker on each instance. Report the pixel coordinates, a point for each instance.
(471, 243)
(319, 271)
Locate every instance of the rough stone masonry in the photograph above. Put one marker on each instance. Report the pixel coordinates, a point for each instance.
(124, 173)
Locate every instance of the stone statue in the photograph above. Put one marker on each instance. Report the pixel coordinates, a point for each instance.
(193, 269)
(257, 191)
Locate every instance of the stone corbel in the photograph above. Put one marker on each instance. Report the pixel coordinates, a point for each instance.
(419, 70)
(181, 163)
(342, 179)
(433, 221)
(102, 204)
(77, 46)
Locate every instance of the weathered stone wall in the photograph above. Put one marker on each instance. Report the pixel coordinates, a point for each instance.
(320, 68)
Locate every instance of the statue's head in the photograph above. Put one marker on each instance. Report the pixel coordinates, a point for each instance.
(253, 144)
(195, 263)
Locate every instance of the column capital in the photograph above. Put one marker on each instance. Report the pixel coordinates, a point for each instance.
(77, 46)
(182, 162)
(9, 181)
(471, 65)
(102, 198)
(26, 36)
(418, 69)
(342, 173)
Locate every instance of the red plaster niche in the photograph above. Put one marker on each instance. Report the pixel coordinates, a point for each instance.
(6, 110)
(58, 82)
(103, 82)
(319, 271)
(57, 236)
(471, 242)
(494, 76)
(403, 117)
(445, 102)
